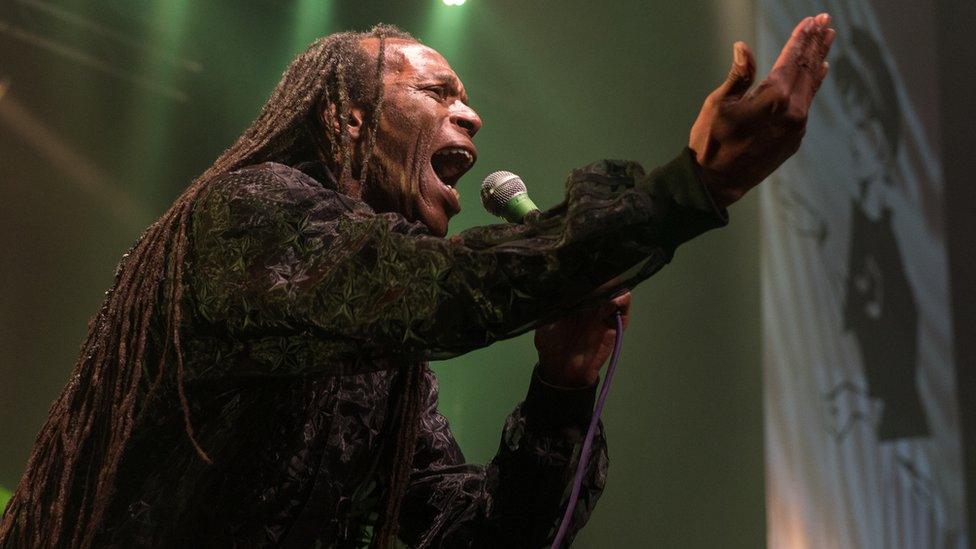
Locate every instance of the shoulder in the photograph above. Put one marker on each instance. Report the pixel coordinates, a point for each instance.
(269, 181)
(272, 189)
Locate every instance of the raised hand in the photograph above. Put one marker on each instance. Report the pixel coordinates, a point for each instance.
(742, 135)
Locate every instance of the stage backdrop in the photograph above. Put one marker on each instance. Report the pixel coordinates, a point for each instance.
(862, 428)
(109, 107)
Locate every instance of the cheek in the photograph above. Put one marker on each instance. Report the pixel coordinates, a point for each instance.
(403, 118)
(394, 138)
(402, 157)
(406, 138)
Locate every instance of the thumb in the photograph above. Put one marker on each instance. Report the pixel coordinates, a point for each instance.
(741, 74)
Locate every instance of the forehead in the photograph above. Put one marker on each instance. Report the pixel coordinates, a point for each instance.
(409, 59)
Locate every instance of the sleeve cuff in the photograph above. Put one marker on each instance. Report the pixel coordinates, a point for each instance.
(693, 210)
(551, 407)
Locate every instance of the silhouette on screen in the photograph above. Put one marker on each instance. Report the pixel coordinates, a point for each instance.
(879, 306)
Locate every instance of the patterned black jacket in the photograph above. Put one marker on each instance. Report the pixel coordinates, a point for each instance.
(303, 302)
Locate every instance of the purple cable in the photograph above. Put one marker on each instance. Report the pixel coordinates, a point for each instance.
(590, 433)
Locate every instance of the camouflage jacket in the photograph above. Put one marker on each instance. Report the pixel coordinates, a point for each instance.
(303, 304)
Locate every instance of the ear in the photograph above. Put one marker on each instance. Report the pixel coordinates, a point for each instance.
(354, 123)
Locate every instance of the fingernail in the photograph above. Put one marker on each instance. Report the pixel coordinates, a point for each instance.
(737, 55)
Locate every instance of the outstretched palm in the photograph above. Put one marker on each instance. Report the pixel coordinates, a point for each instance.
(742, 135)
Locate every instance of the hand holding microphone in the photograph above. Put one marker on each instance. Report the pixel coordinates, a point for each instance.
(573, 349)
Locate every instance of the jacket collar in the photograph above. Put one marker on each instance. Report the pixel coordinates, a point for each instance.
(318, 171)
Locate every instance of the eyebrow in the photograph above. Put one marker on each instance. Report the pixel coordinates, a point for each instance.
(453, 81)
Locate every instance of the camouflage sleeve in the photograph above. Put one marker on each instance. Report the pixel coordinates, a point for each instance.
(274, 252)
(518, 499)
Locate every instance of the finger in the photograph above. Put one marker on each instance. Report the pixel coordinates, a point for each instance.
(825, 37)
(829, 37)
(621, 304)
(814, 67)
(804, 52)
(742, 73)
(817, 47)
(791, 50)
(824, 70)
(817, 81)
(790, 87)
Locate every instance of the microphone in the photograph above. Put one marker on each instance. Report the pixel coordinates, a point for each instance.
(504, 194)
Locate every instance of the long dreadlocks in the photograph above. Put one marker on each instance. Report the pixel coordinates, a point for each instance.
(69, 480)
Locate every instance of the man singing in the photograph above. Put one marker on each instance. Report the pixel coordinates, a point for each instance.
(257, 375)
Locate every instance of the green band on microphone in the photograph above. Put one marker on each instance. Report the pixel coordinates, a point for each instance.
(518, 207)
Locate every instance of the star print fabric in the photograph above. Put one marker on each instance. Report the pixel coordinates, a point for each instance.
(303, 304)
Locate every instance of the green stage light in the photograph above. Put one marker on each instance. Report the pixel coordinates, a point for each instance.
(445, 29)
(312, 19)
(4, 498)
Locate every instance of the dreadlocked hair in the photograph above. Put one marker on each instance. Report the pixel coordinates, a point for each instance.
(69, 480)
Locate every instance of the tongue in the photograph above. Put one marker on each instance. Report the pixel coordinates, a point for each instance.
(447, 166)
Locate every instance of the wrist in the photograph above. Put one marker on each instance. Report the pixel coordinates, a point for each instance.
(562, 377)
(548, 407)
(721, 193)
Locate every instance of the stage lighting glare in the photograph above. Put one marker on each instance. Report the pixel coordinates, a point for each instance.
(453, 2)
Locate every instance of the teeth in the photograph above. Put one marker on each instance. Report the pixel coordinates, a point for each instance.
(451, 162)
(455, 150)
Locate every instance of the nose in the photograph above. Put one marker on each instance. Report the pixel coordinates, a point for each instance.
(465, 117)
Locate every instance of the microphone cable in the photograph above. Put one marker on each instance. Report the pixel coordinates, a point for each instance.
(584, 458)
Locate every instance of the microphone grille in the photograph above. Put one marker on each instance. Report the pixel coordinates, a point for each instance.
(498, 188)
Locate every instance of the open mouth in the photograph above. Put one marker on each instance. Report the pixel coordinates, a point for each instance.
(450, 163)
